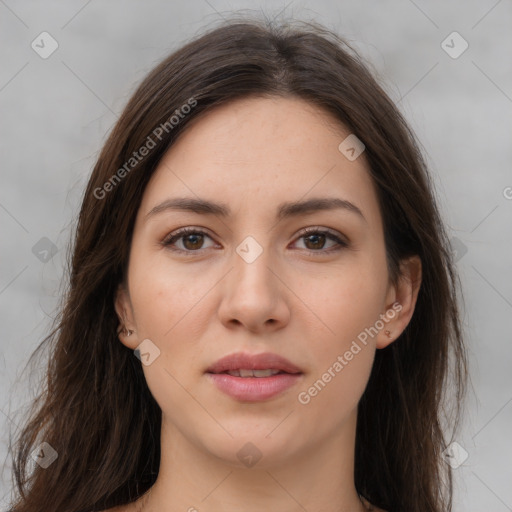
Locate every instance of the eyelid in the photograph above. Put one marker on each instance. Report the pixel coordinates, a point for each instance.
(329, 231)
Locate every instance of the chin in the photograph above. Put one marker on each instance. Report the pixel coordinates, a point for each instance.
(254, 448)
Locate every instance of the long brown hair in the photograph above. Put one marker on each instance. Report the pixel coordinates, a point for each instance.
(95, 408)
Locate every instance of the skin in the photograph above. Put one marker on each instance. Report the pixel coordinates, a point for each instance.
(253, 154)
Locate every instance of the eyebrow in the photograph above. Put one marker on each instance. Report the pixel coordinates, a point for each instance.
(284, 210)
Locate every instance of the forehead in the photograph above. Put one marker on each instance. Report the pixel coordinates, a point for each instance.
(255, 153)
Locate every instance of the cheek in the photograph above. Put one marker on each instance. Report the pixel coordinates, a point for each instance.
(331, 395)
(347, 302)
(343, 350)
(169, 311)
(172, 309)
(166, 298)
(348, 305)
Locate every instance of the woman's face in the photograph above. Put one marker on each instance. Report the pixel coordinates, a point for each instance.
(246, 279)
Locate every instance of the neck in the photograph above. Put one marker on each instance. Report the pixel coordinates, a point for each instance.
(318, 478)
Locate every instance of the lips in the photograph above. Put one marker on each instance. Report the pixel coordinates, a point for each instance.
(253, 378)
(242, 361)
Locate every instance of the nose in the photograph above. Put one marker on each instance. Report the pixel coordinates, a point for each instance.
(254, 295)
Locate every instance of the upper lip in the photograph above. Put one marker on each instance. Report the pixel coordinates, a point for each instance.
(244, 361)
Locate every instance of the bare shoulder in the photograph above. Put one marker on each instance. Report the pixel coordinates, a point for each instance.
(128, 508)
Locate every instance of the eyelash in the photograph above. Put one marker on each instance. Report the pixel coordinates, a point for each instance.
(173, 237)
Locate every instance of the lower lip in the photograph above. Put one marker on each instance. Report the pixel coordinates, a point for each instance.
(254, 389)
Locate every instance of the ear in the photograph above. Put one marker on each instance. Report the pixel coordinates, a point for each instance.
(400, 301)
(123, 307)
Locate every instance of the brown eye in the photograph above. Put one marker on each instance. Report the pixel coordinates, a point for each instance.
(315, 240)
(191, 239)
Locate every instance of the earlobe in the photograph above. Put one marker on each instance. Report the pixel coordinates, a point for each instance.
(403, 296)
(391, 329)
(123, 309)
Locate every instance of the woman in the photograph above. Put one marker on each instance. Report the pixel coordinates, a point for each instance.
(262, 303)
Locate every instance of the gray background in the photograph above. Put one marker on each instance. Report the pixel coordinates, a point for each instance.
(57, 111)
